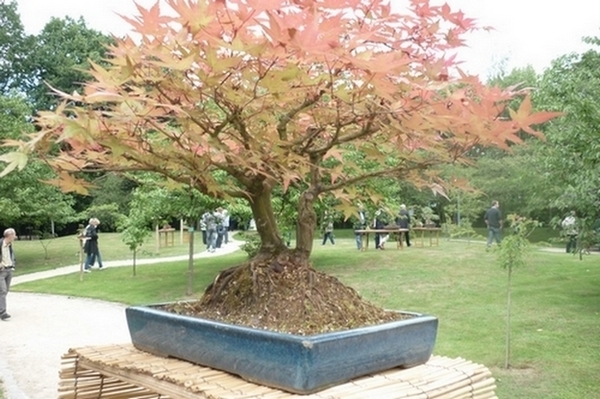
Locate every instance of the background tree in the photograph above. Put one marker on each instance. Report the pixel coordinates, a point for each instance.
(111, 188)
(108, 215)
(15, 46)
(242, 97)
(571, 158)
(511, 254)
(135, 229)
(28, 204)
(62, 53)
(27, 64)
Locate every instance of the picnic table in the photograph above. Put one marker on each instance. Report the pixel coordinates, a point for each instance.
(124, 372)
(433, 233)
(169, 236)
(397, 232)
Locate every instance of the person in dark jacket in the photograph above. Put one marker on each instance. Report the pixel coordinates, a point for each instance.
(403, 222)
(380, 222)
(91, 246)
(493, 220)
(7, 266)
(360, 223)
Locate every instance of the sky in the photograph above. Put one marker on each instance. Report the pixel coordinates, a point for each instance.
(526, 32)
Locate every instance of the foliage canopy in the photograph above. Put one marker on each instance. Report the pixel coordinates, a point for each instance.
(278, 93)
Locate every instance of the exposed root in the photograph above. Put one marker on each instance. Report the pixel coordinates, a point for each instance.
(284, 293)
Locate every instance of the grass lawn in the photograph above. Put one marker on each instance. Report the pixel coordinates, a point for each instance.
(555, 311)
(545, 235)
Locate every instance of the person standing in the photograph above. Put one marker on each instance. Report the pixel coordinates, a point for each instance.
(7, 266)
(493, 220)
(569, 224)
(379, 223)
(91, 246)
(403, 222)
(202, 224)
(360, 223)
(327, 227)
(225, 226)
(220, 228)
(210, 220)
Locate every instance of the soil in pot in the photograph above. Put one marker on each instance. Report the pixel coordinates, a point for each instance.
(284, 294)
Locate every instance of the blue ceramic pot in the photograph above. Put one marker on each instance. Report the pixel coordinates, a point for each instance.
(299, 364)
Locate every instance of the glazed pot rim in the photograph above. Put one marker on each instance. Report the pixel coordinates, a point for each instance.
(321, 337)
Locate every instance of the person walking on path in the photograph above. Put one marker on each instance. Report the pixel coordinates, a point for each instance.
(7, 266)
(220, 215)
(91, 246)
(327, 227)
(211, 220)
(203, 230)
(493, 220)
(569, 224)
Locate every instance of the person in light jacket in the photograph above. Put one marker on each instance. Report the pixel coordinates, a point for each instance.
(7, 267)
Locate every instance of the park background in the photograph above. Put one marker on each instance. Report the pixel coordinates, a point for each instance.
(541, 180)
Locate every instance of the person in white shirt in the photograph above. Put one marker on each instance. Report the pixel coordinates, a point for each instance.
(7, 266)
(225, 226)
(569, 224)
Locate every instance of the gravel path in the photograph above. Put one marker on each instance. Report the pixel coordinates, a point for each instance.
(44, 327)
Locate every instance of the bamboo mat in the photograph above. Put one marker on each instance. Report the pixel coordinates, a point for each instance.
(123, 372)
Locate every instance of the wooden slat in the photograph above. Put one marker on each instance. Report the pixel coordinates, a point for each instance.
(123, 372)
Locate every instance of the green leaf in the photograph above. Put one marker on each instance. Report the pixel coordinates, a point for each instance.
(14, 160)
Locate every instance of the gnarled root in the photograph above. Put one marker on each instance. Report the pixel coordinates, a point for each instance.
(284, 293)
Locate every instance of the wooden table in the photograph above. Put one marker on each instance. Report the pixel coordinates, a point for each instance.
(399, 233)
(169, 234)
(432, 232)
(123, 372)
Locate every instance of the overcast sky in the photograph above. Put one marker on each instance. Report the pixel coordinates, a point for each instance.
(527, 32)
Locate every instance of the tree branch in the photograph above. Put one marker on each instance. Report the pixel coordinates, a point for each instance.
(285, 119)
(380, 173)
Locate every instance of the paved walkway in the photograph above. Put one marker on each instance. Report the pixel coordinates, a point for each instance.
(232, 246)
(44, 327)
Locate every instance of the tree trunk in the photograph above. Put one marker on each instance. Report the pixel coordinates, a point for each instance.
(307, 223)
(266, 225)
(507, 353)
(190, 279)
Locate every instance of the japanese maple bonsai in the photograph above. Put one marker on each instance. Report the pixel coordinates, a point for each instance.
(237, 98)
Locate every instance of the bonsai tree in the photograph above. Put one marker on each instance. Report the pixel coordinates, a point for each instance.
(429, 216)
(239, 98)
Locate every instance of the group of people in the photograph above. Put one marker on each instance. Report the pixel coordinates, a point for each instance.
(215, 228)
(380, 221)
(89, 237)
(493, 220)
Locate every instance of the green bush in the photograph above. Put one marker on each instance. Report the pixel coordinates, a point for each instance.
(252, 244)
